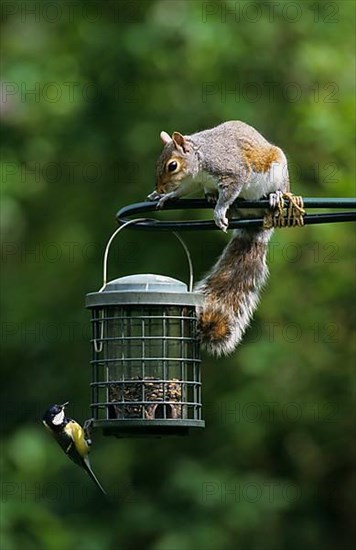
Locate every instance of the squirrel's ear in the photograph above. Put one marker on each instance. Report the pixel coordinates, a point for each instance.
(165, 138)
(180, 142)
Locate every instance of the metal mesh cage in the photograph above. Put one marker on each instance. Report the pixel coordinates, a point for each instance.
(146, 357)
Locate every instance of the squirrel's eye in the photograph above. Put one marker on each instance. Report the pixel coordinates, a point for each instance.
(172, 166)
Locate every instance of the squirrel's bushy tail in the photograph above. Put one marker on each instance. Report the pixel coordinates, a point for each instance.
(232, 290)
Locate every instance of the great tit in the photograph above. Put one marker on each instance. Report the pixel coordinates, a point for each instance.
(71, 437)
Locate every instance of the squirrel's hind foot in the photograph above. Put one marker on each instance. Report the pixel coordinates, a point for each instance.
(276, 199)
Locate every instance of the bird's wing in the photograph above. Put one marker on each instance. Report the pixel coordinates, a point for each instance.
(64, 440)
(73, 442)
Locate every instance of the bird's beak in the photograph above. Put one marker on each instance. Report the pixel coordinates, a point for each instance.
(64, 405)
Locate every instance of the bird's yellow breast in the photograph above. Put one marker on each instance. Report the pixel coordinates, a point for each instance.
(76, 433)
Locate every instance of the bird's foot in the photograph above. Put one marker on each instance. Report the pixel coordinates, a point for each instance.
(88, 430)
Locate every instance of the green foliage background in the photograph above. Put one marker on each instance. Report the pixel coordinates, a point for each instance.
(273, 468)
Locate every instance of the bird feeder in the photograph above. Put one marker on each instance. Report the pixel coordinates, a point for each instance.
(146, 377)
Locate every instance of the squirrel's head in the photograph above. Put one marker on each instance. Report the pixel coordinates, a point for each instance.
(176, 162)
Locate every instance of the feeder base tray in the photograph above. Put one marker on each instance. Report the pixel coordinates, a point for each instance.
(144, 428)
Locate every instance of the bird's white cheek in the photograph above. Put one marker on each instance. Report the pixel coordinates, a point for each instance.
(58, 419)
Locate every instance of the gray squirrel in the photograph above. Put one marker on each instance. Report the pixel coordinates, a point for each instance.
(226, 162)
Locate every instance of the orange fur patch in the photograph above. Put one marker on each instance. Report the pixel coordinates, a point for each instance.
(260, 159)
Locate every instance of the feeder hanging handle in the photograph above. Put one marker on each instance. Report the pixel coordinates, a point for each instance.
(131, 222)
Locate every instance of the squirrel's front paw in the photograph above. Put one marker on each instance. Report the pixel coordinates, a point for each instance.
(164, 198)
(220, 219)
(154, 196)
(161, 201)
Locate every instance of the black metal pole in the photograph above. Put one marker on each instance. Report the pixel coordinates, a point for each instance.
(126, 212)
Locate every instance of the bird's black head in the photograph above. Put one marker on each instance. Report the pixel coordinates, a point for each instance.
(54, 418)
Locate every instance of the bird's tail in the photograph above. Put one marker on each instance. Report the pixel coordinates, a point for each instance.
(231, 290)
(93, 476)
